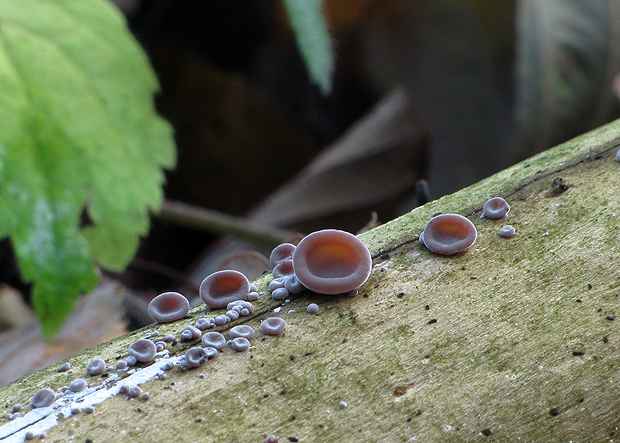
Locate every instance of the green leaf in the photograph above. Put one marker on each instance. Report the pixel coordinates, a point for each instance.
(313, 40)
(78, 132)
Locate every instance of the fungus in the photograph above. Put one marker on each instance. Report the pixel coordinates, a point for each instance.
(134, 391)
(64, 367)
(211, 352)
(507, 231)
(448, 234)
(221, 320)
(495, 207)
(191, 332)
(121, 365)
(281, 252)
(242, 331)
(43, 397)
(196, 357)
(169, 338)
(313, 308)
(253, 296)
(276, 283)
(168, 307)
(293, 285)
(96, 367)
(160, 346)
(240, 344)
(222, 287)
(214, 340)
(242, 305)
(331, 262)
(280, 293)
(131, 360)
(143, 350)
(232, 314)
(202, 324)
(77, 385)
(273, 326)
(272, 439)
(283, 269)
(342, 405)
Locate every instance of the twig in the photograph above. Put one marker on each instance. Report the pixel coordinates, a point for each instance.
(213, 221)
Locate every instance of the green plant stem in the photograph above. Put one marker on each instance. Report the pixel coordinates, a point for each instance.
(217, 222)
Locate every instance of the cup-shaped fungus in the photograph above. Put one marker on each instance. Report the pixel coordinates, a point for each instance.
(168, 307)
(507, 231)
(283, 269)
(77, 385)
(143, 350)
(196, 357)
(223, 287)
(273, 326)
(213, 340)
(43, 397)
(281, 252)
(331, 262)
(448, 234)
(240, 344)
(96, 367)
(495, 207)
(244, 331)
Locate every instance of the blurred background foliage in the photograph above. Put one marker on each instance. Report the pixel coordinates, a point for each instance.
(491, 83)
(481, 85)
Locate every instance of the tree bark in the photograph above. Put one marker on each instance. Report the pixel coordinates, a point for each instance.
(513, 339)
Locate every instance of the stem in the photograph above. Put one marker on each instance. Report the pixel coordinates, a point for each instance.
(213, 221)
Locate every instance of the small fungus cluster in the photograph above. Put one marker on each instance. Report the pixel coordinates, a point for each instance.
(326, 262)
(449, 234)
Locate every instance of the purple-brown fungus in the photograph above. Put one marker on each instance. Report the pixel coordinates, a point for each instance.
(507, 231)
(143, 350)
(196, 357)
(448, 234)
(281, 252)
(43, 397)
(240, 344)
(280, 293)
(223, 287)
(331, 262)
(214, 340)
(273, 326)
(96, 367)
(168, 307)
(242, 331)
(77, 385)
(495, 208)
(283, 269)
(313, 308)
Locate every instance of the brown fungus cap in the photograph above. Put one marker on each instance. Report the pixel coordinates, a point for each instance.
(448, 234)
(168, 307)
(143, 350)
(223, 287)
(331, 262)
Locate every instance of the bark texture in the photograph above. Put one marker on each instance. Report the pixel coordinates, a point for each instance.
(512, 340)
